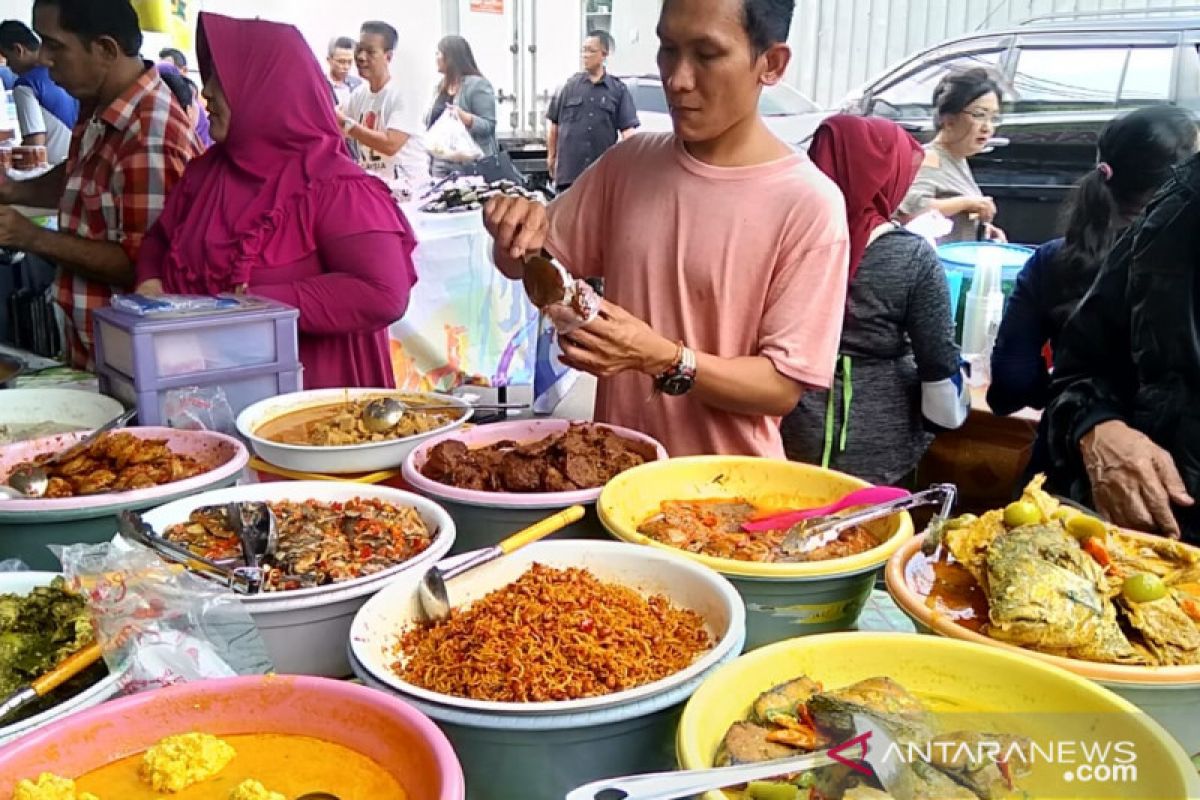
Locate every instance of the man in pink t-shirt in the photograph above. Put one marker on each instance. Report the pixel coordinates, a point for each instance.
(723, 251)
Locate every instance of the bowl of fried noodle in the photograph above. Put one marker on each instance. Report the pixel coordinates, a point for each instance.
(564, 653)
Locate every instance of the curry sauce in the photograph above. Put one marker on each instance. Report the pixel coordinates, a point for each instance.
(290, 765)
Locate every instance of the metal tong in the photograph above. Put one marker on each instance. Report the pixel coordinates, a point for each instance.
(243, 579)
(813, 535)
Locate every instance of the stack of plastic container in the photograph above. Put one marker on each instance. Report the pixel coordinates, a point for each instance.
(250, 353)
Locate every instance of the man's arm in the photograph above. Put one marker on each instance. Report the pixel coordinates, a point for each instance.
(34, 140)
(388, 142)
(43, 191)
(552, 148)
(30, 117)
(93, 259)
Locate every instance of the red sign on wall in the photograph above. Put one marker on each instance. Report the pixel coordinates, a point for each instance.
(488, 6)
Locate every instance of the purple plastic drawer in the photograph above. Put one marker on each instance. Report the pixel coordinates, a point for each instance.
(243, 388)
(158, 352)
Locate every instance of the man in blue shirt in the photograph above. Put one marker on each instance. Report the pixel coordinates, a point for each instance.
(587, 116)
(45, 111)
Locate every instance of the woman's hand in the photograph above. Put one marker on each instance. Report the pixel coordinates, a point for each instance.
(1134, 481)
(615, 342)
(150, 288)
(519, 226)
(982, 207)
(994, 234)
(465, 117)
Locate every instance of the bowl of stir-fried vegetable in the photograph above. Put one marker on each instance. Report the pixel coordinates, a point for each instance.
(41, 623)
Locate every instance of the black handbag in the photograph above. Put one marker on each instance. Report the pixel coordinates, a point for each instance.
(499, 167)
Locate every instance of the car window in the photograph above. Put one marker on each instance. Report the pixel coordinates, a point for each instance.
(1078, 79)
(649, 97)
(912, 96)
(1148, 76)
(776, 101)
(780, 100)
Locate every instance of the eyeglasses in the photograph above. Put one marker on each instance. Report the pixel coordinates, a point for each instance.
(983, 117)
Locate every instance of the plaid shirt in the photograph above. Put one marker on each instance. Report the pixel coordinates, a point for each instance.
(123, 161)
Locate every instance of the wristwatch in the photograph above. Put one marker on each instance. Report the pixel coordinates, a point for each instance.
(680, 377)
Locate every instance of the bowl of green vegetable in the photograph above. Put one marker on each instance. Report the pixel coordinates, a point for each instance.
(42, 622)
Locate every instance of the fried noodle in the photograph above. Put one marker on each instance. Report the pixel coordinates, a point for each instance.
(552, 635)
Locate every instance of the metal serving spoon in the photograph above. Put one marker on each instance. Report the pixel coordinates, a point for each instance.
(33, 480)
(435, 599)
(384, 413)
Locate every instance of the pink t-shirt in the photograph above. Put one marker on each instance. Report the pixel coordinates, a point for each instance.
(732, 261)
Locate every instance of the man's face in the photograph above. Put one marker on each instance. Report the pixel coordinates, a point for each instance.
(372, 56)
(340, 63)
(78, 68)
(592, 54)
(709, 70)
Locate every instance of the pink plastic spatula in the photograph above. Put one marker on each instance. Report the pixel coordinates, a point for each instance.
(870, 496)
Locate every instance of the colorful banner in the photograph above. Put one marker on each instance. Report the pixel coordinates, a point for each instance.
(176, 18)
(466, 323)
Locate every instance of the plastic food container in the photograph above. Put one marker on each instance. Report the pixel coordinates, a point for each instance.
(485, 518)
(1171, 695)
(23, 583)
(970, 687)
(545, 749)
(27, 526)
(305, 630)
(344, 459)
(783, 600)
(396, 736)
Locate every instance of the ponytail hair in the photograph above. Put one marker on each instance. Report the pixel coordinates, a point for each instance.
(1136, 154)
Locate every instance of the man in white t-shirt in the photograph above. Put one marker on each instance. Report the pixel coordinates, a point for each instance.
(388, 136)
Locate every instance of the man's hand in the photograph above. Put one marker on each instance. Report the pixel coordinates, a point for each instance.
(994, 234)
(150, 288)
(616, 342)
(519, 226)
(983, 207)
(1134, 481)
(16, 232)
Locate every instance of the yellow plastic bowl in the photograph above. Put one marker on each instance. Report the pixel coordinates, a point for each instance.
(783, 600)
(977, 687)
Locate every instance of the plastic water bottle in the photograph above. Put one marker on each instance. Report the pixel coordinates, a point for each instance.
(984, 310)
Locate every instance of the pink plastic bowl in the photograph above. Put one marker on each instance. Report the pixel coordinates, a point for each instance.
(224, 456)
(396, 736)
(518, 431)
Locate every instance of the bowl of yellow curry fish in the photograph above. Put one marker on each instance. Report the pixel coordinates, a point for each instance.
(337, 545)
(249, 738)
(564, 662)
(42, 623)
(698, 505)
(323, 431)
(942, 720)
(1067, 589)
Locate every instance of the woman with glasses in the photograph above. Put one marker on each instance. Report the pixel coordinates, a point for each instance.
(966, 114)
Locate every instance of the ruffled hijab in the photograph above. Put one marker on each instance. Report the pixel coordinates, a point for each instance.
(250, 202)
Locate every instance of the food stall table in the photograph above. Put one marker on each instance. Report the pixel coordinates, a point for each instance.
(986, 458)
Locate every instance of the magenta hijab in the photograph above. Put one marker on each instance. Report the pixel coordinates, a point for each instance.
(252, 201)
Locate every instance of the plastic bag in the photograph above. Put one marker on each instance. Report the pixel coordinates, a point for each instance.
(449, 139)
(146, 306)
(13, 565)
(200, 408)
(158, 624)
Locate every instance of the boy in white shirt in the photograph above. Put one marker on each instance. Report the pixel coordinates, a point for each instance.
(388, 136)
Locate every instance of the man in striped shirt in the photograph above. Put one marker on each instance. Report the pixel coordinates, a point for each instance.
(128, 149)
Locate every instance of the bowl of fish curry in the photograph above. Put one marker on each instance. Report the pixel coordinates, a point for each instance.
(962, 722)
(1119, 607)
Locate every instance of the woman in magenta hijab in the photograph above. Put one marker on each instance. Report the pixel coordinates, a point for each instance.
(277, 208)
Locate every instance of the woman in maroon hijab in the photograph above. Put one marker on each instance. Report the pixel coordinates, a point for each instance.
(898, 366)
(277, 208)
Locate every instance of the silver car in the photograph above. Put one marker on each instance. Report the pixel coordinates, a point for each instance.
(790, 115)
